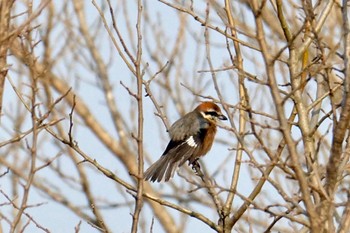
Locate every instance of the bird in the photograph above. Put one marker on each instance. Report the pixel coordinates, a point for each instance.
(191, 137)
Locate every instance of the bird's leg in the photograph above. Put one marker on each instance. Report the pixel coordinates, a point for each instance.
(195, 166)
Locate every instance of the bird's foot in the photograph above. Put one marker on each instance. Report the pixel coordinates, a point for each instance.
(195, 166)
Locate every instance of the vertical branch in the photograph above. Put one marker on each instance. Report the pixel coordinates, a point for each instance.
(33, 147)
(5, 16)
(139, 77)
(238, 64)
(341, 128)
(208, 184)
(346, 41)
(283, 21)
(298, 85)
(211, 190)
(297, 88)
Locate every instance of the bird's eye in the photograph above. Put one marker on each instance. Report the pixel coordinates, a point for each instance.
(212, 113)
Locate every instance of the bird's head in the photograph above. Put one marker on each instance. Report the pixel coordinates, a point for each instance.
(210, 111)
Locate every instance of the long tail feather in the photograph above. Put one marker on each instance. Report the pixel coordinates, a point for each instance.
(157, 170)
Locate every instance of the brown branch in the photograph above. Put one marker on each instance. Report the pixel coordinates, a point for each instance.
(208, 184)
(32, 149)
(341, 128)
(5, 17)
(149, 94)
(139, 139)
(217, 201)
(243, 96)
(71, 122)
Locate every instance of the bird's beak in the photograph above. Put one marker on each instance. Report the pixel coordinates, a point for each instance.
(222, 117)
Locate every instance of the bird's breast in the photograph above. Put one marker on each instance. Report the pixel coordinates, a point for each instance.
(208, 138)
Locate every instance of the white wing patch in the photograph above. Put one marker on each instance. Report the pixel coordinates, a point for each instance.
(190, 141)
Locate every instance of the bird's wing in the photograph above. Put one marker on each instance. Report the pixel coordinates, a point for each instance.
(186, 126)
(175, 154)
(182, 150)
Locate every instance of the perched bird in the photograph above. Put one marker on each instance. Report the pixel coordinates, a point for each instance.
(191, 137)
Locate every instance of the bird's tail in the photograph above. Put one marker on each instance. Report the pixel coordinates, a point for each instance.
(164, 167)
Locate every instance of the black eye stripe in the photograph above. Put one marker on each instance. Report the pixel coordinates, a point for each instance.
(212, 113)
